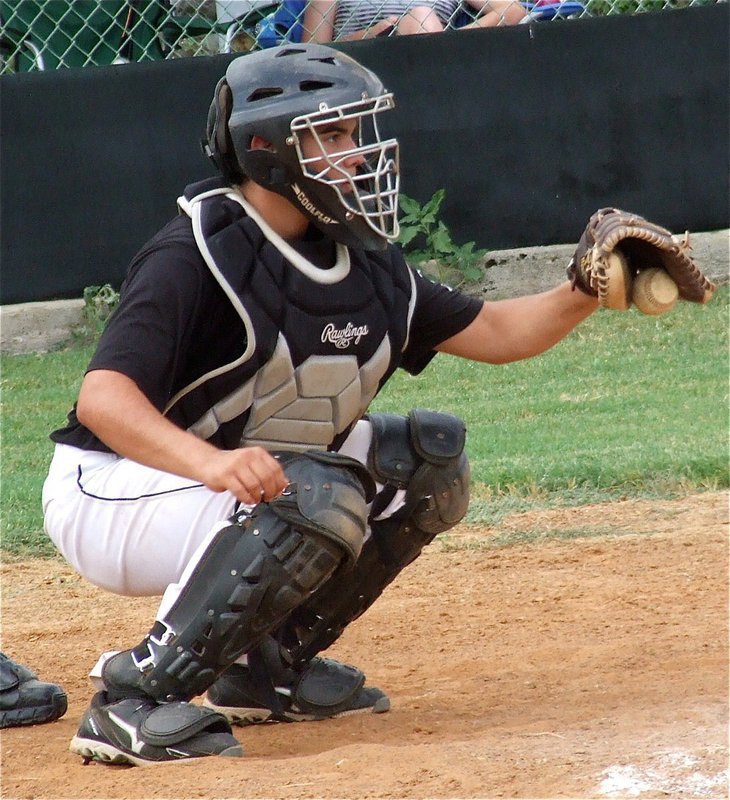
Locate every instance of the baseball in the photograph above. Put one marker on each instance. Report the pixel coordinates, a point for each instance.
(617, 294)
(654, 291)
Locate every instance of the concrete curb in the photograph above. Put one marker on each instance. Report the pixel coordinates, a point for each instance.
(42, 326)
(38, 327)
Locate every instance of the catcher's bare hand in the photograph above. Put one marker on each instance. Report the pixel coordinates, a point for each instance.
(250, 473)
(616, 245)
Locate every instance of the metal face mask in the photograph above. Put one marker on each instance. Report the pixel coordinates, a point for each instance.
(369, 190)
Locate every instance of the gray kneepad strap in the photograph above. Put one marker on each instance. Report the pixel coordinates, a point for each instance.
(255, 571)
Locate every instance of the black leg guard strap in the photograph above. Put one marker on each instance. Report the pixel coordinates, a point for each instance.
(423, 454)
(261, 675)
(254, 572)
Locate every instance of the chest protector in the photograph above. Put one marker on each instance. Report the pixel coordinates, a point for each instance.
(318, 344)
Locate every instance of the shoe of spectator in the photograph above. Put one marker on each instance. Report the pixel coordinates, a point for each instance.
(24, 700)
(325, 688)
(143, 732)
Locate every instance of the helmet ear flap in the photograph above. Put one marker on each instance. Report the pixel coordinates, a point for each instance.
(219, 147)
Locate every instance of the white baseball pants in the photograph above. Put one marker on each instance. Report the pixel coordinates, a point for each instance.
(133, 530)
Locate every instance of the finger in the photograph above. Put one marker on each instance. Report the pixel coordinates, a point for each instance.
(272, 480)
(247, 490)
(272, 476)
(259, 474)
(249, 496)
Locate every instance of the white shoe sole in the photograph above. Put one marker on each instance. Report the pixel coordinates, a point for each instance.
(108, 754)
(255, 716)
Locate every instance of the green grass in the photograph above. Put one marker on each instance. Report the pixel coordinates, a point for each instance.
(627, 405)
(531, 536)
(37, 392)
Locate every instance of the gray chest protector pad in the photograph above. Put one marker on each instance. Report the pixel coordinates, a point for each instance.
(318, 344)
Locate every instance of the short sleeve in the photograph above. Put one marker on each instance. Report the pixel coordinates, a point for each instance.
(440, 312)
(148, 335)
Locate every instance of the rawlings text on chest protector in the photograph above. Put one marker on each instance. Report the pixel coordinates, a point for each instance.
(319, 342)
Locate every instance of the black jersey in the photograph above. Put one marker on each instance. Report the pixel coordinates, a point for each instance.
(244, 338)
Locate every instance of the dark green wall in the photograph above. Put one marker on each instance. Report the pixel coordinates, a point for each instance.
(529, 129)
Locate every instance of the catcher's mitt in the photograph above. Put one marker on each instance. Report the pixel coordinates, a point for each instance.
(616, 245)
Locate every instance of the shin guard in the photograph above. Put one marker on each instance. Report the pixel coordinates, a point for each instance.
(423, 454)
(255, 570)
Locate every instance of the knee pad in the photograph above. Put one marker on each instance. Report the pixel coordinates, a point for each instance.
(328, 494)
(254, 572)
(423, 454)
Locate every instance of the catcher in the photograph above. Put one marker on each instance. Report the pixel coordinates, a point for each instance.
(221, 452)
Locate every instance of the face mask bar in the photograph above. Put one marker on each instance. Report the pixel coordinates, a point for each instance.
(371, 189)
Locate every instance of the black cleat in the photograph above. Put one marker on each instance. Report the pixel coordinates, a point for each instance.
(142, 732)
(325, 689)
(24, 700)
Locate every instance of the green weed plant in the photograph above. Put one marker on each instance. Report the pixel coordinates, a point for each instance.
(426, 241)
(99, 304)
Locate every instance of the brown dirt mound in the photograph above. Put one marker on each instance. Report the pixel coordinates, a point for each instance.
(589, 668)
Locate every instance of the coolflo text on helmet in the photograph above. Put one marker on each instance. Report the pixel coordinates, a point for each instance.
(284, 94)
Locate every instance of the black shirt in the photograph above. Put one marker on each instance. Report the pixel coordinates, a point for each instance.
(174, 322)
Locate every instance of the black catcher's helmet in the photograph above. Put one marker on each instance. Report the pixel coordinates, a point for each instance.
(285, 92)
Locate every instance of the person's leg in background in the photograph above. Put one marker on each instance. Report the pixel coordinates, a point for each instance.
(419, 19)
(24, 700)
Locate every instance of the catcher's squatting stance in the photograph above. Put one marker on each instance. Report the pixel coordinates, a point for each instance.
(221, 452)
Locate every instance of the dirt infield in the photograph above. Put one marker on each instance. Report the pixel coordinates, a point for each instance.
(588, 668)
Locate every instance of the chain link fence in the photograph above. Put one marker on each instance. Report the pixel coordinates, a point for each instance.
(52, 34)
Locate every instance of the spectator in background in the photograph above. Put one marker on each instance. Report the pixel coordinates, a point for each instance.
(343, 20)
